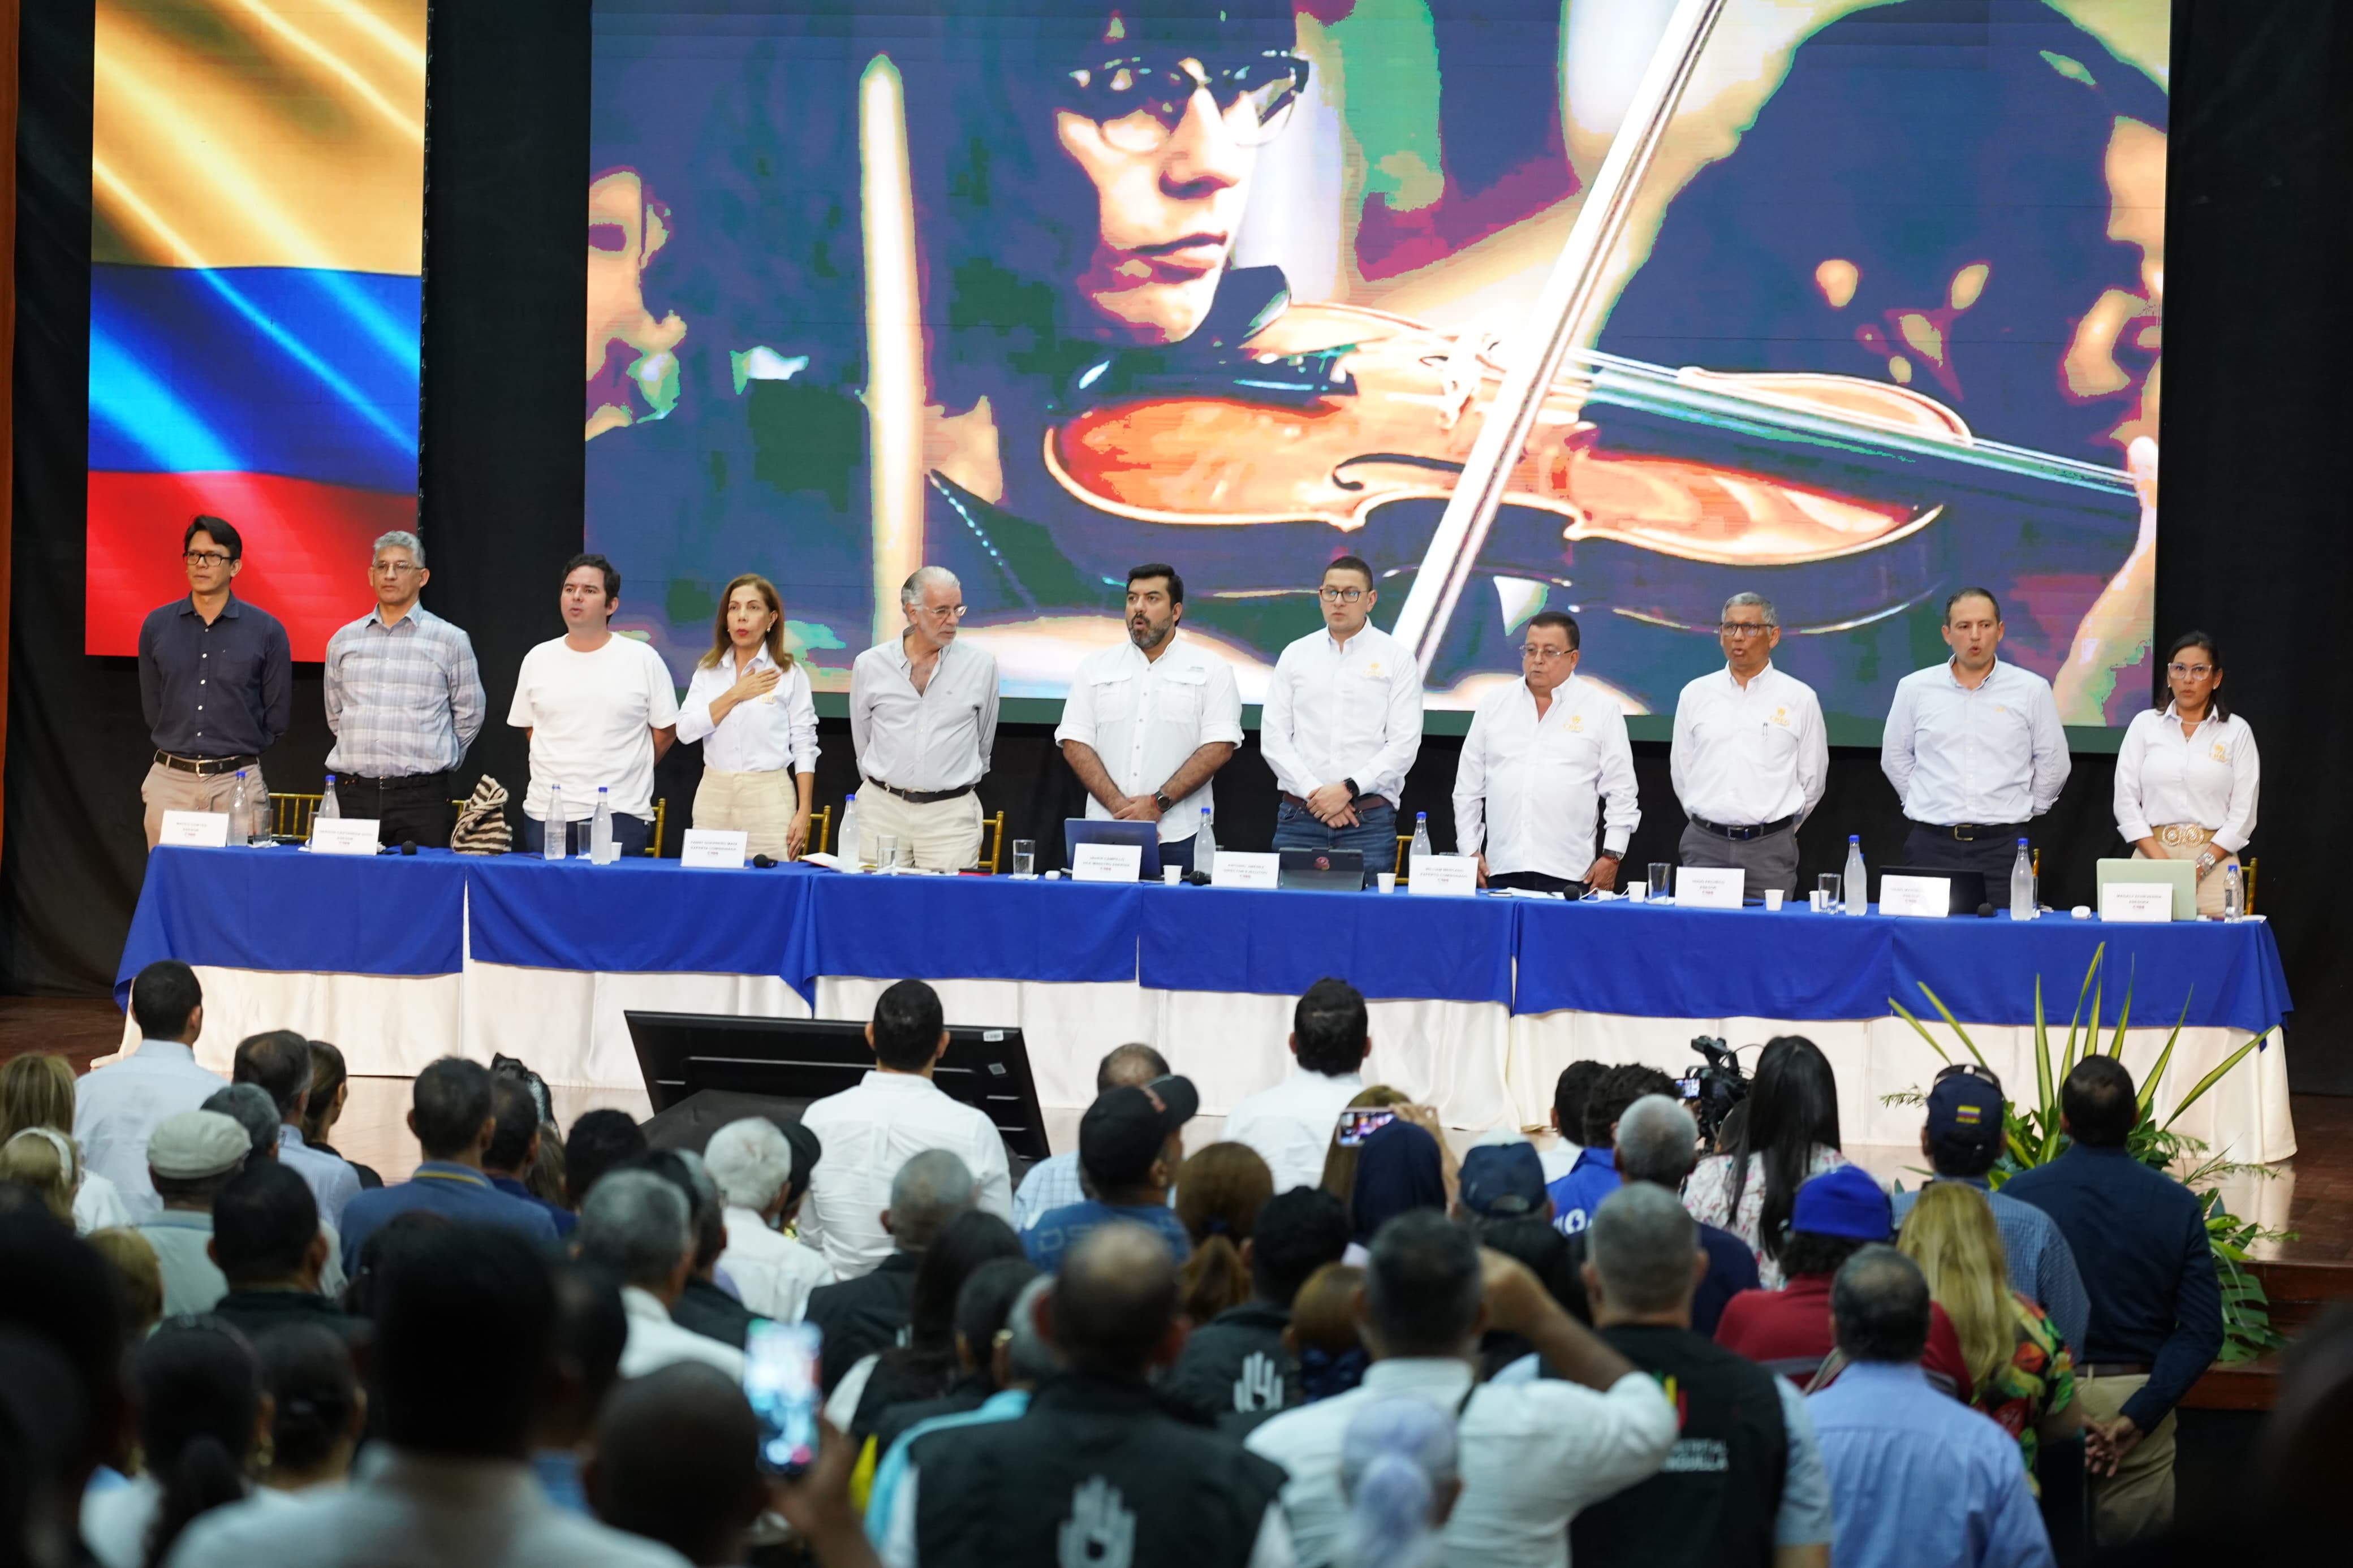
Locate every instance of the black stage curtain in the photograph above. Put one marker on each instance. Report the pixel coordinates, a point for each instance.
(2254, 464)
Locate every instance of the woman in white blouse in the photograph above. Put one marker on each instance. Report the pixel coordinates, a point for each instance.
(749, 704)
(2187, 776)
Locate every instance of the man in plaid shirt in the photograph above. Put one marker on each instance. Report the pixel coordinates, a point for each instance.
(405, 700)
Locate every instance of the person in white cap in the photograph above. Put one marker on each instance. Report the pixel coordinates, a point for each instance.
(190, 1157)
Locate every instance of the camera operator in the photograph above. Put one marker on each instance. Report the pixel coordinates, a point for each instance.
(1713, 1091)
(1659, 1143)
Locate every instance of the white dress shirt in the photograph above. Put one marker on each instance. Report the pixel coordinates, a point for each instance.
(333, 1181)
(655, 1340)
(1530, 1454)
(118, 1107)
(2208, 777)
(1291, 1125)
(773, 1273)
(1337, 712)
(1527, 785)
(1745, 755)
(938, 738)
(870, 1130)
(765, 735)
(592, 718)
(409, 1510)
(1996, 756)
(1144, 717)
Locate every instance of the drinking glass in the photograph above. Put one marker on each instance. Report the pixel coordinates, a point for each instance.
(886, 851)
(1025, 857)
(1833, 890)
(1662, 874)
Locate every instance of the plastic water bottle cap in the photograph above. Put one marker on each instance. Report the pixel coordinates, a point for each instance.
(331, 778)
(2021, 844)
(1854, 838)
(602, 790)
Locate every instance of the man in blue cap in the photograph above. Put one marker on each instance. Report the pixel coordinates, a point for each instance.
(1502, 1182)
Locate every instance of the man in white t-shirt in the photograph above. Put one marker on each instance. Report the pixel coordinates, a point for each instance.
(1291, 1125)
(600, 710)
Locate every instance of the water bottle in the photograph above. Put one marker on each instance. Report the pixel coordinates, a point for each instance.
(601, 851)
(1421, 843)
(2234, 892)
(1858, 893)
(554, 832)
(2022, 884)
(845, 843)
(241, 813)
(328, 805)
(1205, 848)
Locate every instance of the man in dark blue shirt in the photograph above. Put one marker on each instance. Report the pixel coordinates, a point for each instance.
(2157, 1313)
(451, 1115)
(215, 681)
(1131, 1141)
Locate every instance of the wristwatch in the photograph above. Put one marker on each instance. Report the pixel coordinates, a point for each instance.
(1612, 854)
(2206, 862)
(1353, 791)
(1162, 802)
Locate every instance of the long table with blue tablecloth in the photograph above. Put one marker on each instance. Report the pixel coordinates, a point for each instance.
(1477, 1003)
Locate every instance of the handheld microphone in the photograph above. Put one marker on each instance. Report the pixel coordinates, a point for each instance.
(1985, 911)
(408, 847)
(764, 861)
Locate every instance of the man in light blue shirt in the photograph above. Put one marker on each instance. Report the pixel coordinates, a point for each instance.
(279, 1064)
(1917, 1478)
(1974, 747)
(1053, 1183)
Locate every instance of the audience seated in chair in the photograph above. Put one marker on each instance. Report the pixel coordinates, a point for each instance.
(763, 1175)
(279, 1064)
(860, 1316)
(267, 1243)
(639, 1226)
(450, 1115)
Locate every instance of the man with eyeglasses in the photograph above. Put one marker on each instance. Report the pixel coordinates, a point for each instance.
(1342, 725)
(1538, 755)
(1749, 759)
(922, 720)
(215, 682)
(1973, 747)
(405, 701)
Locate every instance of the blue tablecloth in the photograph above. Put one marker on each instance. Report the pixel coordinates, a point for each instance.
(638, 915)
(1279, 944)
(974, 928)
(285, 909)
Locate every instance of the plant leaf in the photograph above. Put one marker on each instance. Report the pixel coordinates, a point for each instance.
(2156, 1074)
(1955, 1024)
(2042, 1050)
(2074, 1021)
(2124, 1014)
(2212, 1077)
(1904, 1014)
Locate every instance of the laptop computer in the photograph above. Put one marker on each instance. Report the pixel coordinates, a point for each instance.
(2181, 876)
(1144, 835)
(1322, 871)
(1968, 888)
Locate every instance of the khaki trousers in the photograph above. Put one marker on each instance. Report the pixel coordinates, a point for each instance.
(761, 804)
(168, 789)
(2138, 1500)
(941, 837)
(2187, 843)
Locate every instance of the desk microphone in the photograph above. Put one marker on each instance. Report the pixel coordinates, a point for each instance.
(1985, 911)
(764, 861)
(408, 847)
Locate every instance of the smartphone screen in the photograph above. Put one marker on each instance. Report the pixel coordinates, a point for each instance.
(1360, 1122)
(780, 1380)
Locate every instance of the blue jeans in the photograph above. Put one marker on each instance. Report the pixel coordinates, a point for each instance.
(1296, 827)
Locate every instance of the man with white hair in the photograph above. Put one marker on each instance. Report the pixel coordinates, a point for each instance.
(1751, 758)
(922, 720)
(405, 701)
(763, 1184)
(636, 1226)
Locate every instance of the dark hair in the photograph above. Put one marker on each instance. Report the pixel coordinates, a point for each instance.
(612, 573)
(1811, 1252)
(279, 1063)
(677, 1461)
(198, 1389)
(1618, 1087)
(384, 1245)
(1792, 1109)
(1570, 1092)
(705, 1208)
(1880, 1306)
(1297, 1233)
(908, 1022)
(1219, 1193)
(1119, 1062)
(451, 1101)
(264, 1221)
(1159, 569)
(1356, 563)
(922, 1367)
(514, 1123)
(465, 1336)
(224, 533)
(592, 1330)
(327, 1075)
(1334, 1030)
(61, 1289)
(308, 1370)
(600, 1140)
(1536, 1242)
(44, 1440)
(1422, 1285)
(1559, 619)
(161, 996)
(2214, 703)
(1985, 593)
(2098, 1101)
(984, 1309)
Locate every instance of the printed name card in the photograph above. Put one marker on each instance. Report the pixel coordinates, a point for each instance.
(1246, 868)
(1109, 863)
(1444, 876)
(713, 849)
(1921, 896)
(195, 830)
(342, 835)
(2129, 902)
(1709, 887)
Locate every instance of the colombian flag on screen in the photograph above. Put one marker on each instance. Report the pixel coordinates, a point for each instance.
(256, 241)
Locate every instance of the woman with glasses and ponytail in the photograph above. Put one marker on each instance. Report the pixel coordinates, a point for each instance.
(2188, 773)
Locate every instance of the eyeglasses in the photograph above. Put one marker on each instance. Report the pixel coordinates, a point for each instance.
(942, 612)
(206, 558)
(2182, 671)
(1544, 654)
(395, 568)
(1742, 628)
(1139, 102)
(1343, 595)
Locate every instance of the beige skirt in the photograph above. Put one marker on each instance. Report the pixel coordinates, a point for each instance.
(2186, 841)
(761, 804)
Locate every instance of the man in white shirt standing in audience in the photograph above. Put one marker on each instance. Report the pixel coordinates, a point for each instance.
(1342, 726)
(1291, 1125)
(1750, 759)
(923, 720)
(1148, 722)
(893, 1114)
(1053, 1183)
(118, 1107)
(1974, 749)
(600, 710)
(1538, 755)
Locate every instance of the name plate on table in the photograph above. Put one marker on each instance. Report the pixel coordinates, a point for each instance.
(1245, 869)
(1709, 887)
(713, 849)
(1929, 896)
(2130, 903)
(1444, 876)
(195, 830)
(1109, 863)
(342, 835)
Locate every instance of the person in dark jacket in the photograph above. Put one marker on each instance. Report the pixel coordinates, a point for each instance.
(1234, 1368)
(860, 1317)
(268, 1244)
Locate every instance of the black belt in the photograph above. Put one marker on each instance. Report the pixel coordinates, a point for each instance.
(204, 767)
(921, 796)
(396, 779)
(1742, 835)
(1970, 832)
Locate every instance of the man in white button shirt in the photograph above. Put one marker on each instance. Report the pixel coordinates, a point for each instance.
(893, 1114)
(638, 1227)
(1538, 754)
(118, 1107)
(1291, 1125)
(1342, 726)
(1750, 759)
(922, 720)
(1148, 722)
(1973, 747)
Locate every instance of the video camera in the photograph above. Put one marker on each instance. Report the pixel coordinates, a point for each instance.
(1710, 1091)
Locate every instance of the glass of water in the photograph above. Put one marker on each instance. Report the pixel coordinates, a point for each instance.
(886, 851)
(1025, 857)
(1833, 890)
(1662, 874)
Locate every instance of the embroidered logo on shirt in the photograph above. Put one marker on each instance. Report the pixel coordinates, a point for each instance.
(1259, 1386)
(2220, 753)
(1577, 723)
(1781, 717)
(1373, 668)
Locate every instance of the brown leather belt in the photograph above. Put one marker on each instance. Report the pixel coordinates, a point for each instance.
(204, 767)
(921, 796)
(2114, 1369)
